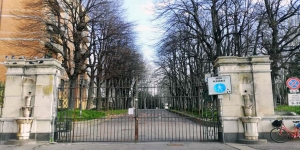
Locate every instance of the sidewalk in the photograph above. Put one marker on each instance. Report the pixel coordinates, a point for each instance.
(126, 146)
(290, 145)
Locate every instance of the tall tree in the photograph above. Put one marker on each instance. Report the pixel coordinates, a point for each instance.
(199, 31)
(65, 25)
(114, 58)
(279, 36)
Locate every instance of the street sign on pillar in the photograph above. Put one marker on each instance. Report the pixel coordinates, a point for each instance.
(219, 85)
(293, 83)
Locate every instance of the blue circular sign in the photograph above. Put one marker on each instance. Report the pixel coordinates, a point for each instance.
(220, 88)
(293, 83)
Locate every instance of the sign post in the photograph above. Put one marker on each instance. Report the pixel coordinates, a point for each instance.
(218, 86)
(293, 84)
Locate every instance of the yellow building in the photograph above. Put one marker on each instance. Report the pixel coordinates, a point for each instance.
(20, 35)
(29, 29)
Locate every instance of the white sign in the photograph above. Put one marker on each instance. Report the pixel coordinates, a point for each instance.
(294, 99)
(130, 111)
(219, 85)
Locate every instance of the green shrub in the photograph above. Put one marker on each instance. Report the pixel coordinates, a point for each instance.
(286, 108)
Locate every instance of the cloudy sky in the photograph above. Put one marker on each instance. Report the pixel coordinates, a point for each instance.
(141, 12)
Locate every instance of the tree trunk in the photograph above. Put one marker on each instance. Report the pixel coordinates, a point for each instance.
(99, 96)
(72, 89)
(90, 93)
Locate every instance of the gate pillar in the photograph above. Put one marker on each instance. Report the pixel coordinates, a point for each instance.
(38, 79)
(250, 77)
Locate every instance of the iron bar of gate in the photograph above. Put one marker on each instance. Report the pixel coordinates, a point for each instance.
(199, 107)
(136, 132)
(136, 112)
(73, 115)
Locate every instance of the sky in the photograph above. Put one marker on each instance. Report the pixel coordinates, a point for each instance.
(141, 13)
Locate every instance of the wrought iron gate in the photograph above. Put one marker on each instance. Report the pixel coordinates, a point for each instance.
(160, 114)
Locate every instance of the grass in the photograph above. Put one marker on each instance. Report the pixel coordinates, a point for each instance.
(88, 114)
(206, 114)
(286, 108)
(116, 112)
(189, 113)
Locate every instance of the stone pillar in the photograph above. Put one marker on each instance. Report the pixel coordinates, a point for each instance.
(262, 85)
(40, 79)
(249, 76)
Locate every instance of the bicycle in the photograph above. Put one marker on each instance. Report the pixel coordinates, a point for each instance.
(280, 133)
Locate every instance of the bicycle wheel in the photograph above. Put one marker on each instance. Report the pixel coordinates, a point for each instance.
(278, 137)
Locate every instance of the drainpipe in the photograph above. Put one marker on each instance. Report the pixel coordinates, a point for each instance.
(54, 107)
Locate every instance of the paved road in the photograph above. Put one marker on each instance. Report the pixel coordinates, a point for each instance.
(153, 125)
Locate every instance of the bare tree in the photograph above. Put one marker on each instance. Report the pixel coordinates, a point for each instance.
(279, 36)
(198, 31)
(280, 39)
(114, 58)
(64, 26)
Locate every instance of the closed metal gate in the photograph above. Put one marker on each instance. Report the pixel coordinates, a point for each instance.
(158, 114)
